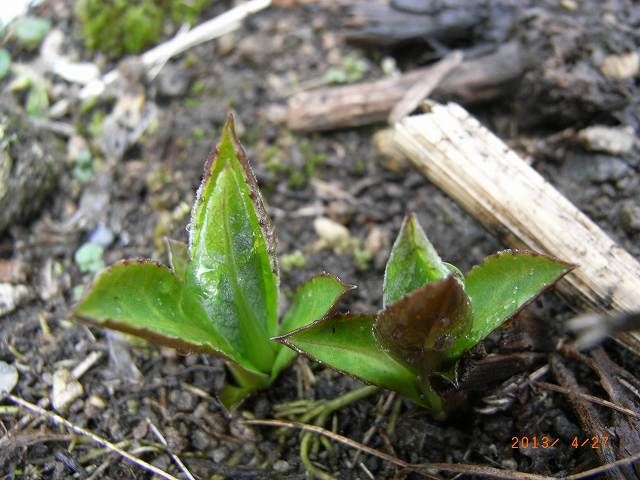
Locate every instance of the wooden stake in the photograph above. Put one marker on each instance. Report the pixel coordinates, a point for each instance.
(513, 201)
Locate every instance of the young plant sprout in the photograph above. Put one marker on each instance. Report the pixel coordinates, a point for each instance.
(220, 295)
(431, 316)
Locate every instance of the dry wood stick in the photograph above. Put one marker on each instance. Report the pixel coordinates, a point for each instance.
(473, 81)
(516, 203)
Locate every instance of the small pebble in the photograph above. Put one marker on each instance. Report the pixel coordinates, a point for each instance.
(220, 454)
(65, 389)
(281, 466)
(173, 80)
(97, 402)
(8, 377)
(140, 430)
(182, 400)
(175, 441)
(226, 43)
(630, 217)
(200, 440)
(102, 236)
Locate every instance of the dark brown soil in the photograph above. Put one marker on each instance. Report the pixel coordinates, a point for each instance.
(145, 195)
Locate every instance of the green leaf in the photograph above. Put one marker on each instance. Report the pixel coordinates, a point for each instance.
(346, 343)
(178, 257)
(31, 30)
(146, 299)
(313, 300)
(419, 329)
(231, 246)
(5, 63)
(412, 264)
(501, 286)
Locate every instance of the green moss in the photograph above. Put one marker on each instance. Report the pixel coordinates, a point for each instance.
(293, 260)
(312, 160)
(197, 133)
(118, 27)
(361, 257)
(197, 88)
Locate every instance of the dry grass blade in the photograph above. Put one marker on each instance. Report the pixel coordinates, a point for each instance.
(175, 458)
(81, 431)
(590, 398)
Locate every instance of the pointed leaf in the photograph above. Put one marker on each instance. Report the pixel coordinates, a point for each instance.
(146, 299)
(412, 264)
(345, 342)
(231, 247)
(501, 286)
(313, 300)
(418, 329)
(178, 257)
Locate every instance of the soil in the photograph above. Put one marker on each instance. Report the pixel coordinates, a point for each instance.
(129, 203)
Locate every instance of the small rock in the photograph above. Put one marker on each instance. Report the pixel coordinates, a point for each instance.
(11, 296)
(182, 400)
(614, 140)
(65, 389)
(630, 217)
(175, 441)
(254, 49)
(173, 80)
(93, 406)
(8, 377)
(281, 466)
(603, 168)
(102, 236)
(376, 240)
(162, 462)
(377, 244)
(200, 440)
(140, 430)
(274, 114)
(97, 402)
(226, 43)
(340, 211)
(242, 431)
(331, 232)
(220, 454)
(621, 67)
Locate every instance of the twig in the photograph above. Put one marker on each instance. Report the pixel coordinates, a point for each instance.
(425, 470)
(105, 443)
(479, 470)
(595, 472)
(591, 398)
(334, 436)
(425, 85)
(84, 366)
(175, 458)
(214, 28)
